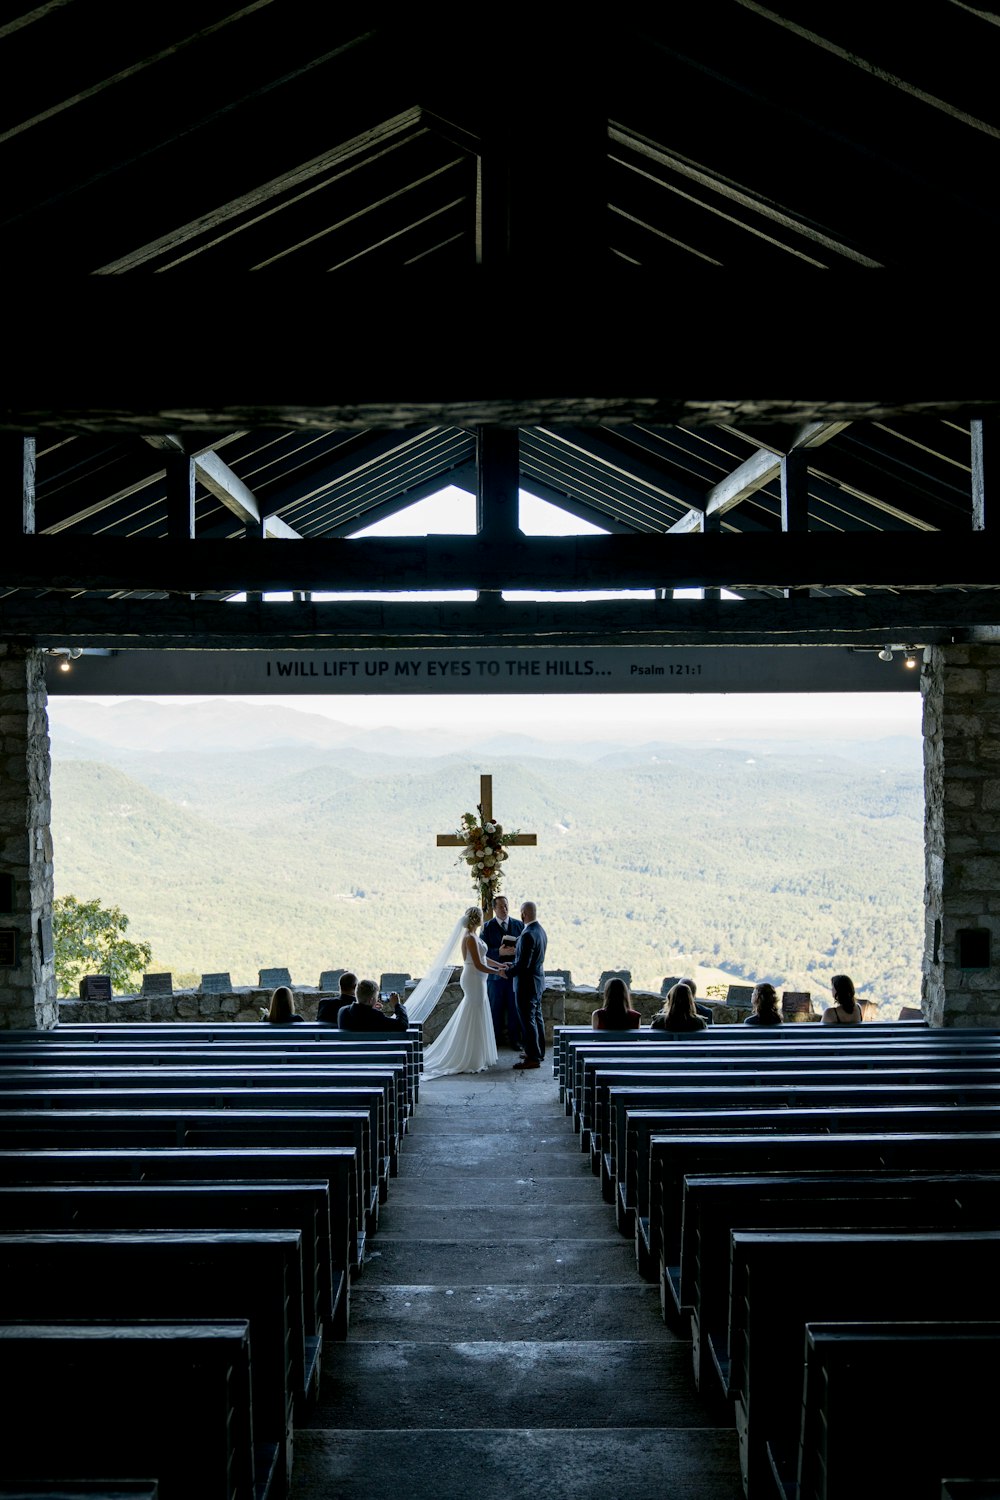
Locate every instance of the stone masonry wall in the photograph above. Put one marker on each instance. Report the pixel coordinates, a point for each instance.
(961, 691)
(27, 988)
(559, 1007)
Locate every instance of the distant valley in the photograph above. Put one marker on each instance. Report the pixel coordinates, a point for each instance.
(236, 837)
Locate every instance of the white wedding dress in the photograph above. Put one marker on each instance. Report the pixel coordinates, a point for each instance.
(467, 1043)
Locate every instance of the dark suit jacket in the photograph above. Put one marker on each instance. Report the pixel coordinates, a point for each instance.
(492, 935)
(330, 1008)
(358, 1017)
(528, 972)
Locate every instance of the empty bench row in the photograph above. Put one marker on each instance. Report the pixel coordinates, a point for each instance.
(773, 1287)
(136, 1236)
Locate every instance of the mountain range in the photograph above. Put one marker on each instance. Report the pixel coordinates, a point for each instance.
(237, 837)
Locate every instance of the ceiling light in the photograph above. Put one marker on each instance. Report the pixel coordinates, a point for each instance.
(885, 654)
(910, 659)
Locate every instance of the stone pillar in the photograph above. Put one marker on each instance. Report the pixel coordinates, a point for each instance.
(28, 984)
(961, 966)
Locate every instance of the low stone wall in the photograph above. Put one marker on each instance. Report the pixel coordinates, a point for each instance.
(572, 1007)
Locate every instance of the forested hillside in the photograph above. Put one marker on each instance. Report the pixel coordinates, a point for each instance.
(779, 867)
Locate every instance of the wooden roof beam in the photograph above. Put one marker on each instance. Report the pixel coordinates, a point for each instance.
(220, 480)
(753, 474)
(920, 618)
(637, 561)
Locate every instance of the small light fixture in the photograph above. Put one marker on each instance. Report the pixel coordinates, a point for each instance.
(910, 659)
(885, 654)
(64, 664)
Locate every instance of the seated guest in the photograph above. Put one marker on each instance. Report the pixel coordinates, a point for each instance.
(329, 1010)
(766, 1011)
(366, 1014)
(616, 1014)
(845, 1010)
(678, 1012)
(705, 1011)
(281, 1011)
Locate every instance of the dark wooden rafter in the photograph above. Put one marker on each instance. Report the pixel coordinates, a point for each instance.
(180, 472)
(919, 618)
(985, 445)
(795, 492)
(18, 464)
(497, 484)
(754, 473)
(888, 560)
(635, 469)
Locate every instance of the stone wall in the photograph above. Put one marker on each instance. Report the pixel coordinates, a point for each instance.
(559, 1007)
(27, 987)
(961, 690)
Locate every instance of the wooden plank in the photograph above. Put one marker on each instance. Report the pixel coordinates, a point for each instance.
(17, 461)
(887, 560)
(985, 443)
(180, 497)
(497, 481)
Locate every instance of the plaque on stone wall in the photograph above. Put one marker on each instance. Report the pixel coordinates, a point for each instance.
(740, 995)
(269, 979)
(6, 892)
(157, 984)
(8, 948)
(95, 987)
(216, 984)
(796, 1005)
(45, 943)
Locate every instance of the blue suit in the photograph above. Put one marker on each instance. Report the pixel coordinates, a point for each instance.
(529, 982)
(503, 1001)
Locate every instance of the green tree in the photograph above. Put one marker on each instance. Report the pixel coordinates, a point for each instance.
(90, 939)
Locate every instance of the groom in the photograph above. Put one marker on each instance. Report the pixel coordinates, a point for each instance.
(528, 974)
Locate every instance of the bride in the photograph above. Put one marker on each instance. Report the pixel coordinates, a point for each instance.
(467, 1044)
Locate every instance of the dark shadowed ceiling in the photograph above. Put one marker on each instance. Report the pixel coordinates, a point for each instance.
(282, 269)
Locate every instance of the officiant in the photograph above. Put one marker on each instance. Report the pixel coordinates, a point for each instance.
(500, 935)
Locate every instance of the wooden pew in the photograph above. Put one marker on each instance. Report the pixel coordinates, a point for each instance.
(698, 1287)
(847, 1113)
(674, 1159)
(193, 1111)
(934, 1276)
(369, 1088)
(304, 1206)
(953, 1363)
(567, 1038)
(198, 1130)
(598, 1077)
(107, 1400)
(751, 1055)
(81, 1489)
(258, 1062)
(215, 1275)
(137, 1164)
(297, 1043)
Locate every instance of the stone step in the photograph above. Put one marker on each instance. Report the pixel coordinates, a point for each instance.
(419, 1313)
(445, 1262)
(576, 1464)
(471, 1188)
(510, 1383)
(488, 1162)
(426, 1219)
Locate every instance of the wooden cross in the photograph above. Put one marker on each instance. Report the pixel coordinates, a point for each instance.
(458, 841)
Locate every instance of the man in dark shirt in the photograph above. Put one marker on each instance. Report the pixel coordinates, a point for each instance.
(329, 1009)
(365, 1014)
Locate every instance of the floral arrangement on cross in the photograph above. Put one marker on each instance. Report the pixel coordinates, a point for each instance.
(484, 850)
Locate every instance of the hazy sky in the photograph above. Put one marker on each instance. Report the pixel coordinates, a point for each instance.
(837, 716)
(786, 716)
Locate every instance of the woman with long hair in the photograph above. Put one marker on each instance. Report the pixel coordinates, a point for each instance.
(281, 1011)
(678, 1012)
(468, 1044)
(616, 1014)
(845, 1010)
(766, 1008)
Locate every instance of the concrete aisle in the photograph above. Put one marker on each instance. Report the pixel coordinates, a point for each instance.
(501, 1341)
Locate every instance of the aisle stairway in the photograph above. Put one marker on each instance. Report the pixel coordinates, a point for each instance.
(501, 1343)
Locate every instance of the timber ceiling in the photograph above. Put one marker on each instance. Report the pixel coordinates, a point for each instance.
(537, 213)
